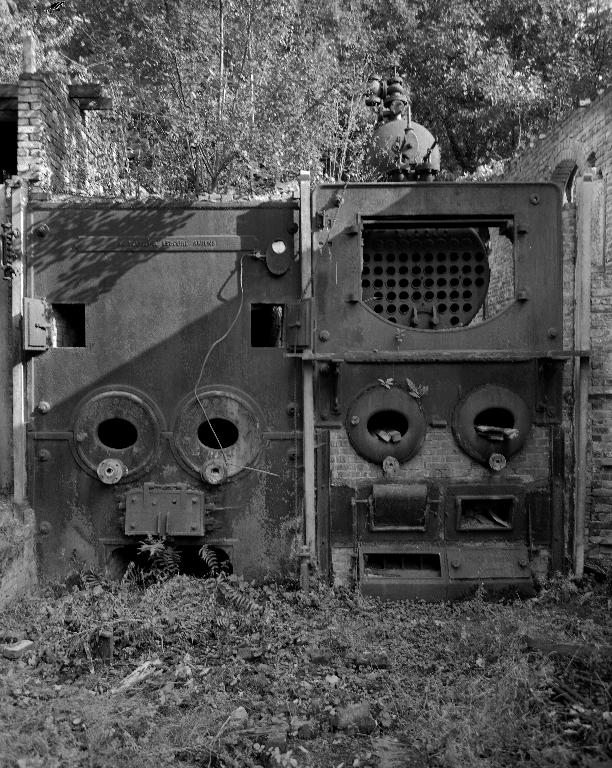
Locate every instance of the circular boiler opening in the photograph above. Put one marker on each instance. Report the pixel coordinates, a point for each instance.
(501, 418)
(388, 425)
(218, 433)
(117, 433)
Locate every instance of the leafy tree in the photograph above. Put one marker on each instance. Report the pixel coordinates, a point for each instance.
(211, 94)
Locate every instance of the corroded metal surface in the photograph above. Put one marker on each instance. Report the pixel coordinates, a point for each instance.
(166, 293)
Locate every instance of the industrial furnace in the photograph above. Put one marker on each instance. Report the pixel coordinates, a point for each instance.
(367, 376)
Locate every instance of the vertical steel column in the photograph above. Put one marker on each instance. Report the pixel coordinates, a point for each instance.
(18, 220)
(308, 374)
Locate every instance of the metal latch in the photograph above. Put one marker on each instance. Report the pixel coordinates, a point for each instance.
(166, 510)
(36, 324)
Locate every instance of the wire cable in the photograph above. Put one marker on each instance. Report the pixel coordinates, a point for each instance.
(212, 347)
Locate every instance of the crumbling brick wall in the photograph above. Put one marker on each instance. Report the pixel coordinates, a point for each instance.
(63, 148)
(17, 551)
(580, 146)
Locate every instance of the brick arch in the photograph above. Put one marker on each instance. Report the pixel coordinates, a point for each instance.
(563, 176)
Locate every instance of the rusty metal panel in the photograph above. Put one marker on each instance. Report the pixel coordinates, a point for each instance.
(168, 510)
(351, 220)
(398, 507)
(400, 572)
(168, 381)
(509, 562)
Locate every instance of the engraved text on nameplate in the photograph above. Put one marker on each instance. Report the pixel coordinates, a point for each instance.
(198, 243)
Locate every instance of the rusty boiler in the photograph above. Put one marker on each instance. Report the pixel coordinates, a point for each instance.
(366, 376)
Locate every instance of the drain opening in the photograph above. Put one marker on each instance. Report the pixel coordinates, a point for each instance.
(402, 564)
(218, 433)
(501, 418)
(388, 426)
(117, 433)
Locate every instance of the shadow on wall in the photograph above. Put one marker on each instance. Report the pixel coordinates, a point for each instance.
(152, 319)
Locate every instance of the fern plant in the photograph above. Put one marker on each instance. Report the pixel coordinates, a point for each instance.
(210, 558)
(164, 561)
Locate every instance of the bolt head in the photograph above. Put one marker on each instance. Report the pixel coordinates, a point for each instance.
(324, 335)
(43, 407)
(355, 420)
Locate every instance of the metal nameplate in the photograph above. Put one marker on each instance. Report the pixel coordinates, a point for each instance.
(194, 244)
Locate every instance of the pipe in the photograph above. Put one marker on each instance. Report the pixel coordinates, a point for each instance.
(308, 427)
(582, 343)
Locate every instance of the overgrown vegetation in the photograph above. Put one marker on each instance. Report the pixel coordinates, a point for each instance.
(217, 672)
(221, 94)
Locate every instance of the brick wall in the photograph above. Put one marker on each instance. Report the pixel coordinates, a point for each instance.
(63, 148)
(440, 457)
(580, 146)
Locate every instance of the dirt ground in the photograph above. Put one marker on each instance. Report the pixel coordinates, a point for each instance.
(217, 672)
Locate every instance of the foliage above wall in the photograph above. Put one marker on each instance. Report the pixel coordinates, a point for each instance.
(218, 93)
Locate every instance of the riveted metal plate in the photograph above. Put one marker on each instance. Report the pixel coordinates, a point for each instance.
(173, 510)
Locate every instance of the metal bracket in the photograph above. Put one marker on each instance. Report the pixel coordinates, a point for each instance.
(298, 325)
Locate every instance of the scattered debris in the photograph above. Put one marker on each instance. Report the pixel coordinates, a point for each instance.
(146, 669)
(238, 719)
(578, 650)
(16, 650)
(238, 675)
(355, 717)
